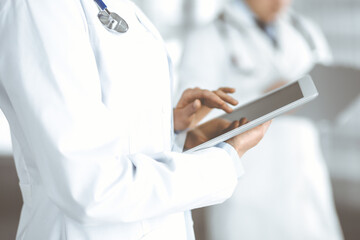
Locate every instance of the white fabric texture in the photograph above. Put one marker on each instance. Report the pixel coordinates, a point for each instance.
(91, 121)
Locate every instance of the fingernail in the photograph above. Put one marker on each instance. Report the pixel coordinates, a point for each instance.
(195, 104)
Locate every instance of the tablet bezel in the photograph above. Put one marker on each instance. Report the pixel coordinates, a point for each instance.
(309, 93)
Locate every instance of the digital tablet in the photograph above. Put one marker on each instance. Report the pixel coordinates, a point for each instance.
(265, 108)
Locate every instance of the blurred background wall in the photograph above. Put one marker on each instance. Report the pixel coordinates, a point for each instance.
(340, 22)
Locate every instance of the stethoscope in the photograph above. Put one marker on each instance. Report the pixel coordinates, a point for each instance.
(236, 63)
(110, 20)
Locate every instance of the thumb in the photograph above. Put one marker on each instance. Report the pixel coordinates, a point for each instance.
(191, 108)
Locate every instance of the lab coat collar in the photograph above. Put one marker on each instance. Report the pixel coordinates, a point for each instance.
(243, 9)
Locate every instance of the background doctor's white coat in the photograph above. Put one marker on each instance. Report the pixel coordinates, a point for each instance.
(286, 192)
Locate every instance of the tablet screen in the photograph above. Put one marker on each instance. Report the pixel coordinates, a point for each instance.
(267, 104)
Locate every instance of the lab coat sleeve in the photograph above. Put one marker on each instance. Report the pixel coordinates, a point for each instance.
(235, 156)
(52, 82)
(179, 141)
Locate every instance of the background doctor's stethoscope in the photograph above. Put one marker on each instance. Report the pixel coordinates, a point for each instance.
(241, 61)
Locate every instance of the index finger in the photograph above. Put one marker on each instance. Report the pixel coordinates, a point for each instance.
(188, 96)
(226, 97)
(227, 89)
(207, 98)
(212, 100)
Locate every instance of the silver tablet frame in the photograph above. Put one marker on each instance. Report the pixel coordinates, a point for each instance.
(309, 93)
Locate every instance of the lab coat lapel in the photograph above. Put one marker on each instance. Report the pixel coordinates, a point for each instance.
(122, 82)
(292, 61)
(260, 51)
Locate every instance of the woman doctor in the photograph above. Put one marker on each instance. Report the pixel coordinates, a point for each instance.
(91, 120)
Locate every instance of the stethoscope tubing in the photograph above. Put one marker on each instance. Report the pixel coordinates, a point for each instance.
(101, 4)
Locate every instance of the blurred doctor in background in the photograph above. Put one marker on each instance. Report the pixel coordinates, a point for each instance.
(253, 39)
(256, 46)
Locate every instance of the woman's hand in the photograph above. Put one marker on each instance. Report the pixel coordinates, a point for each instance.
(210, 130)
(241, 143)
(249, 139)
(196, 103)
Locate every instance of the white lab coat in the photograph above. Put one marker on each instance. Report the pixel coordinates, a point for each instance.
(91, 121)
(286, 192)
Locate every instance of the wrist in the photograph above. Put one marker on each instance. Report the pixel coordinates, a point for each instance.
(237, 147)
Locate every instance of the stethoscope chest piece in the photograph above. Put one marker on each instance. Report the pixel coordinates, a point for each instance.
(113, 22)
(110, 20)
